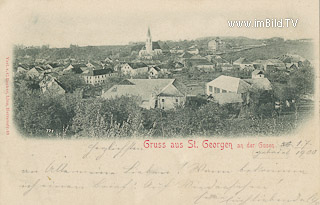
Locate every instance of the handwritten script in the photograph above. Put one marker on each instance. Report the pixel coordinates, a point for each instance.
(115, 170)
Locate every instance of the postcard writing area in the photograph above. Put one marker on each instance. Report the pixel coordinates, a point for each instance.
(126, 172)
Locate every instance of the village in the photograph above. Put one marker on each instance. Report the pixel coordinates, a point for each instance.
(162, 76)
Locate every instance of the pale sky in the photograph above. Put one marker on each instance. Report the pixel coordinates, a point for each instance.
(113, 22)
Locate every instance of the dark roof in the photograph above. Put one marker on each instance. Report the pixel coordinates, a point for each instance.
(137, 65)
(78, 65)
(102, 71)
(165, 46)
(186, 55)
(156, 68)
(155, 45)
(199, 62)
(24, 66)
(54, 65)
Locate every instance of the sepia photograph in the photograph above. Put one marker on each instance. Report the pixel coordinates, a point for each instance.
(146, 81)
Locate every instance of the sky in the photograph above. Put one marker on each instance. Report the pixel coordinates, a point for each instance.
(113, 22)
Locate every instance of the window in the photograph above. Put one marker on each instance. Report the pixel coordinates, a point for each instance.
(162, 100)
(177, 100)
(216, 90)
(210, 89)
(224, 91)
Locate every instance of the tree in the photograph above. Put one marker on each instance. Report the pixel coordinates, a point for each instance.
(71, 82)
(302, 81)
(117, 117)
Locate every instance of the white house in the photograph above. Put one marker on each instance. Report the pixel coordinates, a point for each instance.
(152, 93)
(154, 72)
(243, 63)
(227, 89)
(98, 76)
(133, 69)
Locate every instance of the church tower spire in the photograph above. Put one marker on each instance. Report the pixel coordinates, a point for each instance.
(149, 41)
(149, 33)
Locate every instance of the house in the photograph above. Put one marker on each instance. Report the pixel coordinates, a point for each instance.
(165, 47)
(51, 66)
(75, 68)
(34, 72)
(154, 72)
(268, 65)
(243, 63)
(257, 74)
(292, 58)
(227, 89)
(292, 66)
(94, 66)
(178, 65)
(97, 76)
(201, 64)
(108, 60)
(258, 81)
(226, 67)
(198, 57)
(50, 85)
(183, 57)
(176, 50)
(151, 48)
(216, 45)
(133, 69)
(259, 84)
(276, 63)
(193, 50)
(218, 61)
(152, 93)
(21, 69)
(90, 65)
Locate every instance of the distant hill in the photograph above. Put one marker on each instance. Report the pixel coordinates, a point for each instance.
(275, 50)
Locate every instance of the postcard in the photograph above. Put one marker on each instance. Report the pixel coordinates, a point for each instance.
(159, 102)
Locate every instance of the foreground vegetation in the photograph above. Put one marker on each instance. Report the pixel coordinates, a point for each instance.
(72, 115)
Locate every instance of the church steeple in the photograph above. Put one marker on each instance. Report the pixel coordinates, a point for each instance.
(149, 33)
(149, 41)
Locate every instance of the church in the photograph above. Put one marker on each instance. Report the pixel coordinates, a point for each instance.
(151, 48)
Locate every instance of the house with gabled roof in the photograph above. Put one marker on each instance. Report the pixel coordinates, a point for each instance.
(269, 64)
(75, 68)
(227, 89)
(200, 64)
(183, 57)
(133, 69)
(243, 63)
(97, 76)
(21, 69)
(50, 85)
(151, 93)
(34, 72)
(154, 71)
